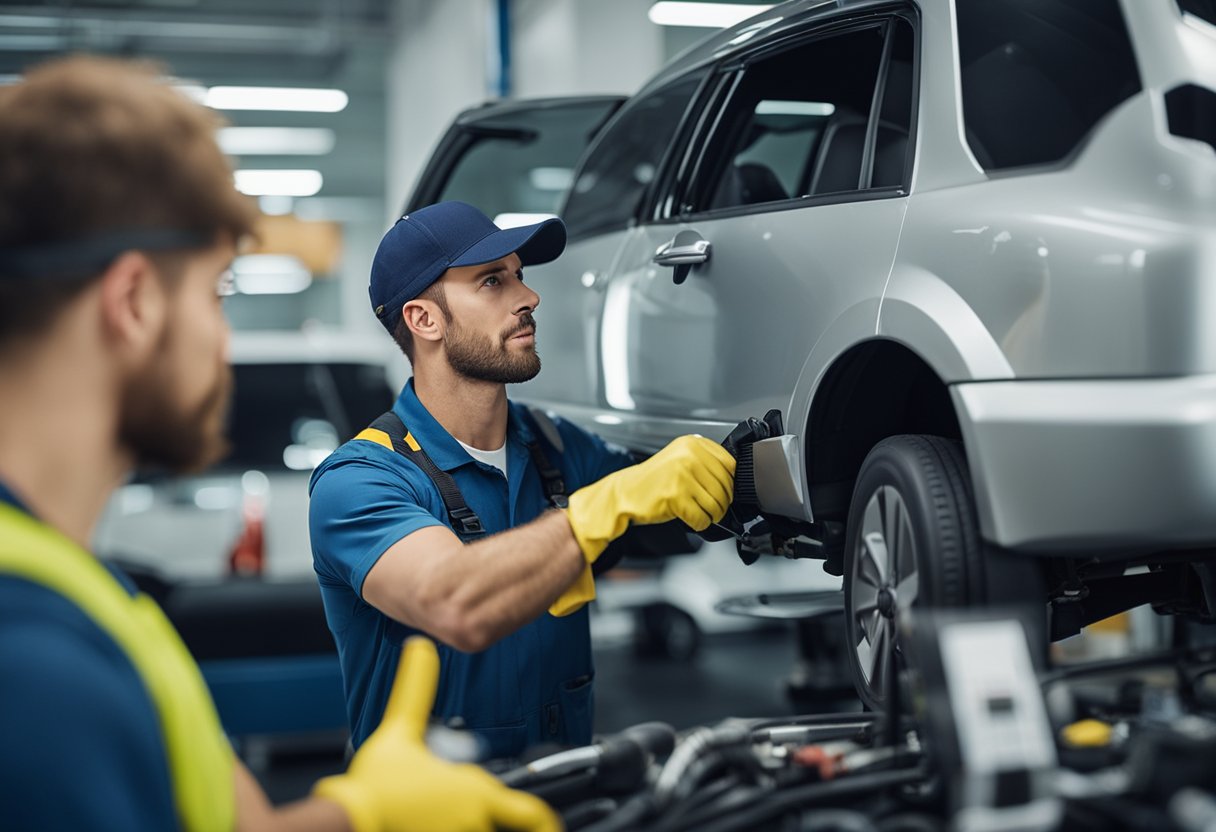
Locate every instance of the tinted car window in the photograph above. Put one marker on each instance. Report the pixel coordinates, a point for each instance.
(795, 124)
(625, 159)
(1037, 75)
(289, 416)
(524, 165)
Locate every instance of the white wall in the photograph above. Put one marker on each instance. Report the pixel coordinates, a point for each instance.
(437, 68)
(569, 47)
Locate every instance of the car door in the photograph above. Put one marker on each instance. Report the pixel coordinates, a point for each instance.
(601, 213)
(784, 216)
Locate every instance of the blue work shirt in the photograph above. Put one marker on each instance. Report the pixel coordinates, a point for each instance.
(82, 747)
(532, 686)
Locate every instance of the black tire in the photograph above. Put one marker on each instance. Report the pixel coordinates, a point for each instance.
(913, 507)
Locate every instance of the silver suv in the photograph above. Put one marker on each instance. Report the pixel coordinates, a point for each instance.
(966, 248)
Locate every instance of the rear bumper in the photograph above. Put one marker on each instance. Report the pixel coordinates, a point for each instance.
(1093, 467)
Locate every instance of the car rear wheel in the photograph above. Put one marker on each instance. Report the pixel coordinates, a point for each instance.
(912, 539)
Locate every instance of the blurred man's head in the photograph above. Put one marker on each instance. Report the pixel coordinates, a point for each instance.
(118, 217)
(446, 281)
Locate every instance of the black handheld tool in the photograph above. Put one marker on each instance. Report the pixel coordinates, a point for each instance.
(746, 504)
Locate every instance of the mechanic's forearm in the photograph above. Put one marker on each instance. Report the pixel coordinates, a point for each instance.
(471, 595)
(508, 579)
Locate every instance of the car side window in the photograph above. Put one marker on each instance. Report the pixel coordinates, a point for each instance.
(613, 179)
(1037, 75)
(797, 124)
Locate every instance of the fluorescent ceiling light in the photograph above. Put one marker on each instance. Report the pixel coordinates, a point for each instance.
(298, 99)
(278, 182)
(709, 15)
(276, 141)
(270, 274)
(795, 108)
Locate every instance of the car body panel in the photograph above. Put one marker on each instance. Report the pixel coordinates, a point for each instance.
(1180, 45)
(705, 348)
(1099, 467)
(1073, 273)
(943, 159)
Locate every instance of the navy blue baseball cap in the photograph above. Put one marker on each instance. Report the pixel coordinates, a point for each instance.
(421, 246)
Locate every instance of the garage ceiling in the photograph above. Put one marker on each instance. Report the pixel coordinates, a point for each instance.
(302, 43)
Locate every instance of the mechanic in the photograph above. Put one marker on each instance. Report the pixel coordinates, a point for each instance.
(437, 519)
(118, 218)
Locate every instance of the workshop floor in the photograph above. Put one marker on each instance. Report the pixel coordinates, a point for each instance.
(737, 674)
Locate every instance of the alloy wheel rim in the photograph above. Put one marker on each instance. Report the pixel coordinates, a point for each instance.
(885, 583)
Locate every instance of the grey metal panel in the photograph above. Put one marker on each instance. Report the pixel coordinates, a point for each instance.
(707, 348)
(943, 158)
(778, 474)
(1093, 465)
(1170, 49)
(1100, 268)
(925, 314)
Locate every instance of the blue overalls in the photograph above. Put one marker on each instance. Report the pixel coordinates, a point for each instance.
(534, 685)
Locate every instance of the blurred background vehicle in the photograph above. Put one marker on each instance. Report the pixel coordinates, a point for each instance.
(297, 397)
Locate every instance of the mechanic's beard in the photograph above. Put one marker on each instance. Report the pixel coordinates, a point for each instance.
(483, 358)
(162, 434)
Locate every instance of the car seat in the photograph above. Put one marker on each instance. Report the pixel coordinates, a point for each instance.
(749, 183)
(838, 165)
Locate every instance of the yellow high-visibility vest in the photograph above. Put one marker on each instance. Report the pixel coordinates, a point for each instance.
(201, 765)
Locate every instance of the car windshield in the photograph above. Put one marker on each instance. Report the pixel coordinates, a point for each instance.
(524, 165)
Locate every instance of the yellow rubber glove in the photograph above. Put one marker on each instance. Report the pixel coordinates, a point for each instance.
(394, 784)
(692, 479)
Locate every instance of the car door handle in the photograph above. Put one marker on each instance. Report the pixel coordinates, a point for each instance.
(676, 252)
(685, 250)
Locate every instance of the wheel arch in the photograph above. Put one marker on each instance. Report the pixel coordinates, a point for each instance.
(875, 389)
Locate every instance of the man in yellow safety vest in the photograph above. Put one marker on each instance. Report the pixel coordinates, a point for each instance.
(118, 220)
